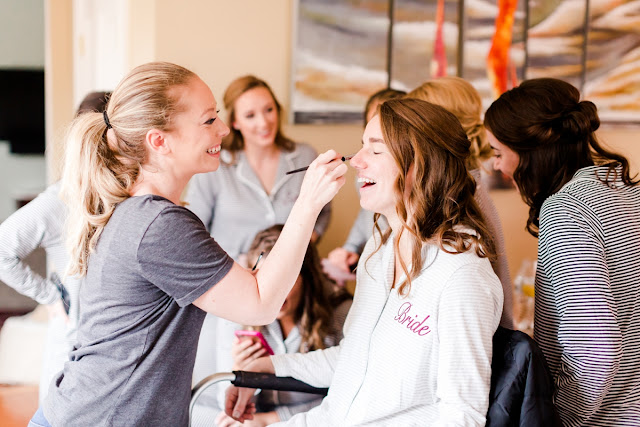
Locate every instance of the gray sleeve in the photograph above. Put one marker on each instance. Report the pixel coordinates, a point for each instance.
(201, 197)
(178, 255)
(35, 225)
(500, 265)
(339, 317)
(323, 220)
(361, 231)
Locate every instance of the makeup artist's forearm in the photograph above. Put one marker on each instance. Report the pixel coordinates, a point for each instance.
(281, 268)
(256, 300)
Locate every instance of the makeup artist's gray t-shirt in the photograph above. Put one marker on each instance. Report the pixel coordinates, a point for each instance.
(138, 330)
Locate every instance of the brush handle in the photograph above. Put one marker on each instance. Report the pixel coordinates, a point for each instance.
(343, 158)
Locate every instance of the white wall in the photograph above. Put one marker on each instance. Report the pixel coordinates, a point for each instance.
(20, 176)
(22, 36)
(22, 33)
(100, 45)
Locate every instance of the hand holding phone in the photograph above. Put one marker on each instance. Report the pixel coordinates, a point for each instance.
(255, 336)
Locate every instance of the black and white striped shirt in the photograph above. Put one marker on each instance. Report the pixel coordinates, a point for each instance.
(587, 315)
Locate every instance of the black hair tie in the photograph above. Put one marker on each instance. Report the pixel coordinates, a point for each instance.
(106, 119)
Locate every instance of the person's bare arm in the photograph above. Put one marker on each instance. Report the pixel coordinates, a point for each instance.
(255, 299)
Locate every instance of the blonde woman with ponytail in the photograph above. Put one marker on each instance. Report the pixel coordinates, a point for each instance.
(151, 268)
(460, 98)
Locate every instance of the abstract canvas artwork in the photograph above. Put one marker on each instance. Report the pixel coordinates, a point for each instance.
(344, 50)
(339, 58)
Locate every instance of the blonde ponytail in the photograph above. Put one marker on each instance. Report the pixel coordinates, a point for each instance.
(102, 163)
(459, 97)
(89, 188)
(480, 149)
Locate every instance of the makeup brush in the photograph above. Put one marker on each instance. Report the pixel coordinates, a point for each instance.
(343, 158)
(257, 261)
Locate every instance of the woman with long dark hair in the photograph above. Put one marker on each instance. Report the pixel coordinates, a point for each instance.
(584, 207)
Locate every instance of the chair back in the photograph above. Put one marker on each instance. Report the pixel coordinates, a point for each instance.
(521, 386)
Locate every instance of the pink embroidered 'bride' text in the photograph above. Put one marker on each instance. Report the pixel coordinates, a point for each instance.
(404, 317)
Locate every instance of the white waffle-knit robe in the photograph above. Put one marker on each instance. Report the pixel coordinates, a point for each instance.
(422, 359)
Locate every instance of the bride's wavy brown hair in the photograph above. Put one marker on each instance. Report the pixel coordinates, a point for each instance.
(428, 141)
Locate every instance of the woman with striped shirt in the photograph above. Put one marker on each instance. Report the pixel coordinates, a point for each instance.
(585, 209)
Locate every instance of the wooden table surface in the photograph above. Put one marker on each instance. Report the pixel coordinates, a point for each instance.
(17, 404)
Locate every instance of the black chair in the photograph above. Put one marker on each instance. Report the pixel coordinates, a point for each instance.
(521, 387)
(252, 380)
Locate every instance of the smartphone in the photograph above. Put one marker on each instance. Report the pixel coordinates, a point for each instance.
(256, 336)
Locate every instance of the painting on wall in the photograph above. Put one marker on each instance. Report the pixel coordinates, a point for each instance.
(339, 58)
(612, 72)
(345, 50)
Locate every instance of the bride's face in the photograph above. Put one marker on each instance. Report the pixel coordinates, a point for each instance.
(377, 171)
